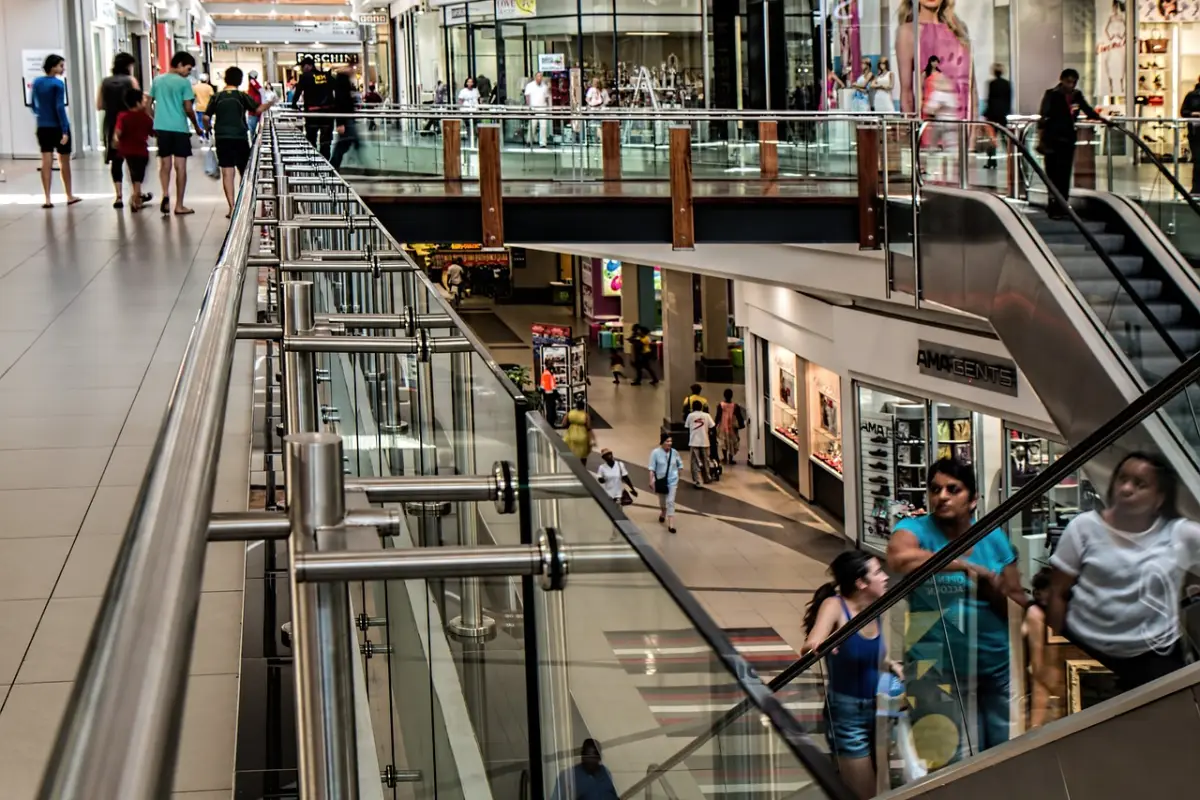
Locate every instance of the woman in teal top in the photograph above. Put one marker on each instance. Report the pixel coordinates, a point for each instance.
(665, 465)
(958, 621)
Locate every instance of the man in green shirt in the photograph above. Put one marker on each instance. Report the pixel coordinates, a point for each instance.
(228, 108)
(173, 122)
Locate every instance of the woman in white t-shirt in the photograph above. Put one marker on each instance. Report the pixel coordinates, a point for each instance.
(1118, 574)
(612, 474)
(596, 97)
(468, 96)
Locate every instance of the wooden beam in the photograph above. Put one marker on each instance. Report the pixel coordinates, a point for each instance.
(868, 187)
(768, 150)
(491, 201)
(452, 149)
(683, 229)
(610, 149)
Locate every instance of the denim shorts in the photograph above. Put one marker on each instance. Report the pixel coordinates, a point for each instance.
(850, 724)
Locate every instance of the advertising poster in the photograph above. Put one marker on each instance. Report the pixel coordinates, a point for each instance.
(516, 9)
(610, 277)
(953, 55)
(1110, 50)
(585, 288)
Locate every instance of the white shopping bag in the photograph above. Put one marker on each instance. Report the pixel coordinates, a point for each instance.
(210, 163)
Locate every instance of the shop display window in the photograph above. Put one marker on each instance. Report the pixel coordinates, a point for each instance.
(825, 416)
(892, 446)
(784, 417)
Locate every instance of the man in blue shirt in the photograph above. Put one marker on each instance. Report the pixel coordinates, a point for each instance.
(957, 631)
(587, 780)
(174, 120)
(53, 128)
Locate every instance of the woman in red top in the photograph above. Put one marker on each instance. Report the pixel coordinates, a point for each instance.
(134, 129)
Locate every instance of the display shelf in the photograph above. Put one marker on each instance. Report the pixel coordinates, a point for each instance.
(786, 437)
(827, 467)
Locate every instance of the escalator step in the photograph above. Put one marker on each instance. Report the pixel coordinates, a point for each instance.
(1127, 312)
(1069, 244)
(1146, 340)
(1106, 289)
(1091, 266)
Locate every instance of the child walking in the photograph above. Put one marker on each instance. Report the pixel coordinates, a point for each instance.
(134, 128)
(617, 362)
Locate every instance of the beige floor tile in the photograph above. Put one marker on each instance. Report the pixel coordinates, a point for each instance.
(61, 639)
(29, 567)
(28, 724)
(109, 512)
(28, 513)
(225, 567)
(25, 433)
(206, 743)
(127, 466)
(18, 621)
(42, 469)
(217, 647)
(87, 570)
(22, 401)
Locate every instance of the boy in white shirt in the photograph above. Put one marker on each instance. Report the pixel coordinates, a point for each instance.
(699, 423)
(537, 95)
(612, 474)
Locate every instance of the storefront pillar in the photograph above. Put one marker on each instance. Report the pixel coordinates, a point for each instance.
(679, 344)
(647, 298)
(631, 276)
(714, 294)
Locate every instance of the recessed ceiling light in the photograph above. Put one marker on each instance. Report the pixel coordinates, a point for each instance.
(237, 11)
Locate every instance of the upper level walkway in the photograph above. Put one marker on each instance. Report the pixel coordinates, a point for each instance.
(96, 306)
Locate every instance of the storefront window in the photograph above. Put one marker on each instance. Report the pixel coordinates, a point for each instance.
(783, 395)
(893, 435)
(825, 416)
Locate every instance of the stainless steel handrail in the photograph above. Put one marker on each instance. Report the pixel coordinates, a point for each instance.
(120, 734)
(565, 112)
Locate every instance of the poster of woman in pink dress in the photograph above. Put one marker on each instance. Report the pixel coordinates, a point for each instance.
(943, 34)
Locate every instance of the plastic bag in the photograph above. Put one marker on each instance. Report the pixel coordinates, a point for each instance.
(210, 163)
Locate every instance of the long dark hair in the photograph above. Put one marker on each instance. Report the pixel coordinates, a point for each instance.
(929, 65)
(846, 570)
(1164, 474)
(123, 64)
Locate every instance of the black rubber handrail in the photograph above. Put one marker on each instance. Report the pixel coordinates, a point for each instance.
(1104, 436)
(1192, 202)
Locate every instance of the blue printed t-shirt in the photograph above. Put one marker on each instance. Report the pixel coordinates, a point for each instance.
(170, 91)
(951, 625)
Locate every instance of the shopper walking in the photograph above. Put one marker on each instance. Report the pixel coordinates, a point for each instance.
(131, 138)
(549, 386)
(1118, 574)
(587, 780)
(53, 128)
(616, 361)
(614, 477)
(204, 91)
(1056, 135)
(579, 436)
(699, 423)
(999, 107)
(315, 91)
(468, 96)
(255, 90)
(230, 108)
(1191, 110)
(640, 347)
(967, 649)
(852, 669)
(665, 466)
(112, 99)
(345, 104)
(537, 97)
(693, 395)
(174, 119)
(730, 419)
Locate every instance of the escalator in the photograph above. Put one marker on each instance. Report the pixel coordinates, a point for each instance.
(1098, 743)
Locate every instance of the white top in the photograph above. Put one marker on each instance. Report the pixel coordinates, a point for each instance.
(594, 97)
(468, 97)
(610, 478)
(538, 95)
(698, 424)
(454, 274)
(1126, 597)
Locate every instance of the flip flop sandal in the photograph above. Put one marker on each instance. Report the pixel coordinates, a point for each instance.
(165, 206)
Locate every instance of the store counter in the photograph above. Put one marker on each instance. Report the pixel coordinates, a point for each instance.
(828, 488)
(562, 293)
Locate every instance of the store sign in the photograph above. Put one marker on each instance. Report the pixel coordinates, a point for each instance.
(516, 9)
(106, 13)
(338, 28)
(373, 19)
(325, 58)
(966, 366)
(552, 62)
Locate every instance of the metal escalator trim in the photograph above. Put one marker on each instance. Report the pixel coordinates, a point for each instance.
(1052, 475)
(1177, 681)
(1157, 162)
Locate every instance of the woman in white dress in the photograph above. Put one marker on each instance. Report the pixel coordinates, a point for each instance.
(862, 98)
(881, 94)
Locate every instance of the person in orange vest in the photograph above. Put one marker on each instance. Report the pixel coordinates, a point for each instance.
(549, 397)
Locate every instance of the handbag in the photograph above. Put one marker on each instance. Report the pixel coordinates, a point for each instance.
(627, 498)
(660, 485)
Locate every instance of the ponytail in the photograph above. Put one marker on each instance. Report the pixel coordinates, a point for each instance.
(823, 593)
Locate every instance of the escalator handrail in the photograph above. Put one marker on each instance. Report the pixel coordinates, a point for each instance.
(1145, 148)
(1023, 152)
(1104, 436)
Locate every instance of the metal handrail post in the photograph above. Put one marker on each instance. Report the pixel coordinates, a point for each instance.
(300, 382)
(322, 636)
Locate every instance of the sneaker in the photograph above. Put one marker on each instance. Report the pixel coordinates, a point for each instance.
(672, 530)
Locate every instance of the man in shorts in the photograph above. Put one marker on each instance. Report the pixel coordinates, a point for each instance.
(230, 132)
(174, 119)
(53, 128)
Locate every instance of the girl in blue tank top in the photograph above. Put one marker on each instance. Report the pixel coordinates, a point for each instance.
(853, 669)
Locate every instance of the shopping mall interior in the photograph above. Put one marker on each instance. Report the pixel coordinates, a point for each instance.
(533, 400)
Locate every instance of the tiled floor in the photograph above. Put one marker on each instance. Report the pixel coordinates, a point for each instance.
(96, 306)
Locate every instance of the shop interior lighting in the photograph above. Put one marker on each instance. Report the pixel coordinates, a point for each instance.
(646, 33)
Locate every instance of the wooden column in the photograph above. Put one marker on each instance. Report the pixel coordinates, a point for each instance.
(610, 149)
(768, 150)
(489, 186)
(452, 149)
(683, 230)
(868, 187)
